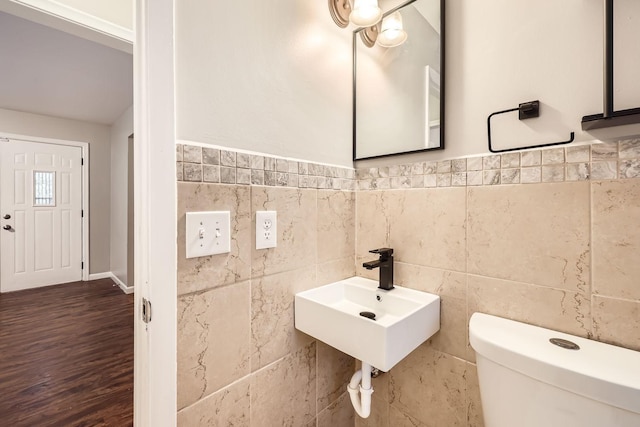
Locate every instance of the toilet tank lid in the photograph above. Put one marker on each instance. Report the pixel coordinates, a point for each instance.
(599, 371)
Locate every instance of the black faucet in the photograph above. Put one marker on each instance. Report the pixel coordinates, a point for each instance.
(385, 263)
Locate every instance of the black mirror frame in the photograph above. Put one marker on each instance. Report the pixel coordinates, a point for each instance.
(356, 35)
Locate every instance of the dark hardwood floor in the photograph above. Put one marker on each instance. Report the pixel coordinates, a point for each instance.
(66, 356)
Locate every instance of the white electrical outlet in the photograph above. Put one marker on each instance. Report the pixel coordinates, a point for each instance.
(266, 229)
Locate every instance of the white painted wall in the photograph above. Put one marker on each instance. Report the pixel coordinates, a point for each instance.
(255, 76)
(500, 53)
(121, 129)
(97, 136)
(54, 73)
(264, 76)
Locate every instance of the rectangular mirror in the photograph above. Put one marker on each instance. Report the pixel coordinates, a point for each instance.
(398, 92)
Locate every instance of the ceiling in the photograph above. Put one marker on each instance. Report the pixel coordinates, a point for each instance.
(50, 72)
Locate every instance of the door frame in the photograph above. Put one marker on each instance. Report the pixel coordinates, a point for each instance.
(155, 211)
(155, 344)
(58, 15)
(85, 185)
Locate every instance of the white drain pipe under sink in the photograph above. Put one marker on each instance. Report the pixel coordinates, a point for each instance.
(361, 383)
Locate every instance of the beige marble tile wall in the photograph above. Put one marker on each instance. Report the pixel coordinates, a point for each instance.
(562, 255)
(240, 360)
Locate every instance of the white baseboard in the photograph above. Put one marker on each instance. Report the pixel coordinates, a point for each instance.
(126, 289)
(96, 276)
(108, 274)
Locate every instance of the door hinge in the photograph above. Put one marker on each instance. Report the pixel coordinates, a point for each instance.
(82, 161)
(82, 213)
(146, 310)
(82, 265)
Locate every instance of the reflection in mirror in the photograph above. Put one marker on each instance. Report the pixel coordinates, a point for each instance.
(399, 91)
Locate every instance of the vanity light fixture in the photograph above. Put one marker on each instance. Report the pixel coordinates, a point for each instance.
(389, 33)
(392, 33)
(362, 13)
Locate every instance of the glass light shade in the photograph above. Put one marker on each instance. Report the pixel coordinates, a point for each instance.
(365, 13)
(391, 32)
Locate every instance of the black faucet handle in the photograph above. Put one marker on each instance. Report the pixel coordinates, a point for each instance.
(383, 252)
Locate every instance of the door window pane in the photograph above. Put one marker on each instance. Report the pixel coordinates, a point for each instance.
(44, 188)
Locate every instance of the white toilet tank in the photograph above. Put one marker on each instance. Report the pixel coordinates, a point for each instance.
(526, 381)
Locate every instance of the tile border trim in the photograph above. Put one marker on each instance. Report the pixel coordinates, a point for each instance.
(195, 163)
(596, 161)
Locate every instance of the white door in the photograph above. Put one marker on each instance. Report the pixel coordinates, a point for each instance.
(40, 213)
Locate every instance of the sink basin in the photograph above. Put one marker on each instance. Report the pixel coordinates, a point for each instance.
(404, 319)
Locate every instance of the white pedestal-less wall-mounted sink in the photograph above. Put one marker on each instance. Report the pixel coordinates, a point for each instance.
(404, 319)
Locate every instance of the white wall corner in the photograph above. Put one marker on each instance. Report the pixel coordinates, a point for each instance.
(123, 286)
(109, 275)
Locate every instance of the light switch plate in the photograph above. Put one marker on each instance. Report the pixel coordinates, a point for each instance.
(266, 229)
(207, 233)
